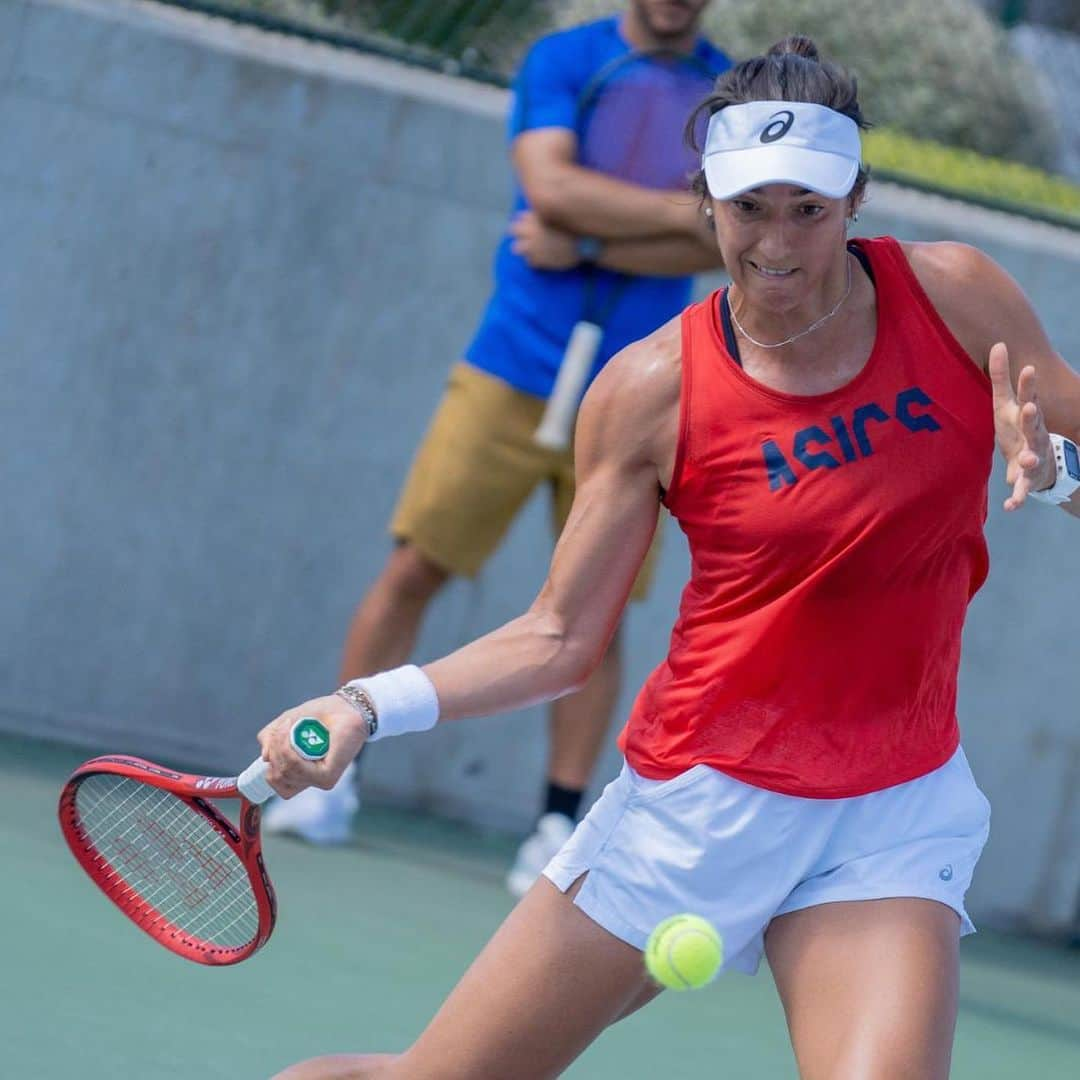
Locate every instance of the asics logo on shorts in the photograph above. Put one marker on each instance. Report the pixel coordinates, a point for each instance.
(840, 440)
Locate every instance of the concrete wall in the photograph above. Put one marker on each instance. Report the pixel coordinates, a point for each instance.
(235, 269)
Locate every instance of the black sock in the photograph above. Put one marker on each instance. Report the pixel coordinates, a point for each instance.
(562, 800)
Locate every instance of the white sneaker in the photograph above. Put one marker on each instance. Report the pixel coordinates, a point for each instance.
(319, 817)
(552, 831)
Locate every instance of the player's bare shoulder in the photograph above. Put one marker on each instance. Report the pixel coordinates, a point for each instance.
(974, 296)
(946, 266)
(635, 399)
(645, 377)
(632, 408)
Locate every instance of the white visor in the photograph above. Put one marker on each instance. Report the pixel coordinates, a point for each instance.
(781, 142)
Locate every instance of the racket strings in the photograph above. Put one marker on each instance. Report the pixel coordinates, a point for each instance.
(631, 127)
(634, 124)
(156, 848)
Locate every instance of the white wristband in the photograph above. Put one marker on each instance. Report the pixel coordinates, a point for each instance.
(404, 700)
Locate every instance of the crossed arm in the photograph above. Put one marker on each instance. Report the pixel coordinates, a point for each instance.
(644, 231)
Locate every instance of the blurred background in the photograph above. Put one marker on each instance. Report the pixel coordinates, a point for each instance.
(993, 77)
(243, 241)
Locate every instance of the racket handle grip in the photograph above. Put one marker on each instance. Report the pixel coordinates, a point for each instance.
(253, 784)
(557, 423)
(308, 738)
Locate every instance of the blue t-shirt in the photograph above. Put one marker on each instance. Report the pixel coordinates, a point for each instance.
(527, 322)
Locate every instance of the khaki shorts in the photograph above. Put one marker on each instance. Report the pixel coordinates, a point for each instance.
(476, 468)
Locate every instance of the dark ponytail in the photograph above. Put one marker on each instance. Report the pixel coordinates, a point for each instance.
(796, 45)
(791, 70)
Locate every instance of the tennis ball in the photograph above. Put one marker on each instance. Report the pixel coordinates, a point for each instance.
(684, 952)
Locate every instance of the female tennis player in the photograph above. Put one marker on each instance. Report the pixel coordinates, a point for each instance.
(823, 431)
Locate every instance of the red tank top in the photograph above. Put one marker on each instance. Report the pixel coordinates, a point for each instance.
(835, 543)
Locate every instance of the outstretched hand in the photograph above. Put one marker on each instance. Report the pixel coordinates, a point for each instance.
(1020, 430)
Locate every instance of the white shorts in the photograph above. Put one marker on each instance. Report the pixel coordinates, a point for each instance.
(740, 855)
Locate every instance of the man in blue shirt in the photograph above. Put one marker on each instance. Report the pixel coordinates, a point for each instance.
(575, 233)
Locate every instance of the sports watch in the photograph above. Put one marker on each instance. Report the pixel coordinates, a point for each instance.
(1067, 460)
(588, 249)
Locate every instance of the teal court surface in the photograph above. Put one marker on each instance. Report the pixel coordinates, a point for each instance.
(369, 940)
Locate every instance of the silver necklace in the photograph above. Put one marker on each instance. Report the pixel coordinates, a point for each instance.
(802, 333)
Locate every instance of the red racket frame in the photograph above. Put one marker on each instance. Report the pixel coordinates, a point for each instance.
(194, 790)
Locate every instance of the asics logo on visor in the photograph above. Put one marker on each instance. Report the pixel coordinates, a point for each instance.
(778, 128)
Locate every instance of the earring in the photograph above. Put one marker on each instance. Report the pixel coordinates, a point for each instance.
(708, 211)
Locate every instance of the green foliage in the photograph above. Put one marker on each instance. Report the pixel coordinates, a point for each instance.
(896, 155)
(484, 36)
(937, 69)
(485, 33)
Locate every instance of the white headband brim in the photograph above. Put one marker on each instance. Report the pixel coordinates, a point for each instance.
(781, 142)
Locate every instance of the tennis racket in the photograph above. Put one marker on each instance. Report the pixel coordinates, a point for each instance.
(153, 841)
(629, 124)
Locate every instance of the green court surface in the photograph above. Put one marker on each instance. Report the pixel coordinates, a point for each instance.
(370, 938)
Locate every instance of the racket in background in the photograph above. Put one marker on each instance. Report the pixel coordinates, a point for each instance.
(630, 122)
(150, 838)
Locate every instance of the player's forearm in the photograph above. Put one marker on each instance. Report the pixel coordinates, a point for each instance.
(665, 256)
(589, 203)
(526, 661)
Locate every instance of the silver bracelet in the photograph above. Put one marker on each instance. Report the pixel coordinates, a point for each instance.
(359, 700)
